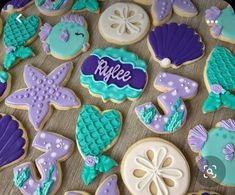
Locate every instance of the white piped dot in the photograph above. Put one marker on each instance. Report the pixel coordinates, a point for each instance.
(174, 93)
(42, 160)
(43, 135)
(157, 126)
(53, 154)
(181, 80)
(66, 147)
(170, 83)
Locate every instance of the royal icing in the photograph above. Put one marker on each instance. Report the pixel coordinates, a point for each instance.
(124, 23)
(42, 92)
(67, 39)
(220, 80)
(56, 149)
(221, 22)
(173, 45)
(178, 88)
(16, 5)
(90, 5)
(5, 84)
(218, 143)
(114, 74)
(96, 132)
(149, 163)
(18, 34)
(203, 192)
(13, 141)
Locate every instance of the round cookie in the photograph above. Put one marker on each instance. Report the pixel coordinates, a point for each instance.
(86, 5)
(17, 5)
(174, 45)
(42, 92)
(52, 7)
(155, 166)
(67, 39)
(5, 84)
(124, 23)
(13, 141)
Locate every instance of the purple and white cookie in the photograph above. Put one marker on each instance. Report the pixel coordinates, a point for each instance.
(16, 5)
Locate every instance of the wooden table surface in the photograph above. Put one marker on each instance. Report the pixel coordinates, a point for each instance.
(63, 122)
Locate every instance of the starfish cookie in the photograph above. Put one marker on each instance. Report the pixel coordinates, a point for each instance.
(42, 92)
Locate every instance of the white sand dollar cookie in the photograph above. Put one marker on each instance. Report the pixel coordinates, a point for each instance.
(124, 23)
(155, 166)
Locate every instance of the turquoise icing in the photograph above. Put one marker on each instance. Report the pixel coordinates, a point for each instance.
(90, 5)
(21, 177)
(147, 115)
(3, 76)
(57, 4)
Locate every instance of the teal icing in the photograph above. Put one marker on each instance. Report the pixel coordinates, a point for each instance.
(90, 5)
(47, 184)
(57, 4)
(147, 115)
(39, 2)
(3, 76)
(21, 177)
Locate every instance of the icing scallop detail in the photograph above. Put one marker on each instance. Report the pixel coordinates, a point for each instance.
(175, 44)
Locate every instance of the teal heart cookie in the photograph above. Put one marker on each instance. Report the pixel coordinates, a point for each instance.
(96, 132)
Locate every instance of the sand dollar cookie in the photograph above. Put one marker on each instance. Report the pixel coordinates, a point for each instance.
(124, 23)
(114, 74)
(203, 192)
(155, 166)
(13, 141)
(67, 39)
(216, 151)
(16, 5)
(174, 45)
(42, 92)
(219, 77)
(5, 84)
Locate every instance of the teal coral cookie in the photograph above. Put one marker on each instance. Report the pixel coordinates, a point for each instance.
(97, 132)
(16, 35)
(89, 5)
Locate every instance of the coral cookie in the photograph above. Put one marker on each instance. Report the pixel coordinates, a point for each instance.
(176, 88)
(83, 5)
(216, 149)
(53, 7)
(124, 23)
(173, 45)
(16, 5)
(155, 166)
(42, 92)
(67, 39)
(13, 141)
(56, 148)
(97, 132)
(107, 187)
(114, 74)
(17, 35)
(5, 84)
(220, 22)
(219, 76)
(202, 192)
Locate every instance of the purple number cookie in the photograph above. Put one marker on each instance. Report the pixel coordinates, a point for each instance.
(16, 5)
(42, 92)
(176, 89)
(56, 148)
(5, 84)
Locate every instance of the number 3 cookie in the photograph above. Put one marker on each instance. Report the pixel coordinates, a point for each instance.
(155, 166)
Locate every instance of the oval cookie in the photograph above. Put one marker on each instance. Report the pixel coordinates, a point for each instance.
(155, 166)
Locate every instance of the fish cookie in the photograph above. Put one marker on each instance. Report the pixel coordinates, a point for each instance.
(53, 7)
(124, 23)
(219, 77)
(114, 74)
(42, 92)
(16, 35)
(216, 151)
(175, 89)
(96, 132)
(174, 45)
(202, 192)
(16, 5)
(107, 187)
(155, 166)
(67, 39)
(5, 84)
(86, 5)
(56, 149)
(220, 23)
(13, 141)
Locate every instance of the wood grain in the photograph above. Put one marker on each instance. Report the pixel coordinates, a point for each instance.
(63, 122)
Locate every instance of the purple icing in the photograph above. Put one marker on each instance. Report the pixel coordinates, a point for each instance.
(228, 124)
(109, 187)
(48, 5)
(91, 161)
(136, 78)
(212, 14)
(74, 18)
(217, 89)
(202, 164)
(3, 87)
(17, 4)
(46, 48)
(11, 141)
(45, 31)
(228, 151)
(179, 43)
(216, 30)
(64, 36)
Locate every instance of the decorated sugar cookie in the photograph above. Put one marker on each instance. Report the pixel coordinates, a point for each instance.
(220, 22)
(174, 45)
(114, 74)
(53, 7)
(215, 148)
(13, 141)
(42, 92)
(17, 35)
(56, 149)
(5, 84)
(219, 76)
(175, 89)
(202, 192)
(16, 5)
(67, 39)
(124, 23)
(97, 132)
(155, 166)
(83, 5)
(107, 187)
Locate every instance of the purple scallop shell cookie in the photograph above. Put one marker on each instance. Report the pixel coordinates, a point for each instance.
(16, 5)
